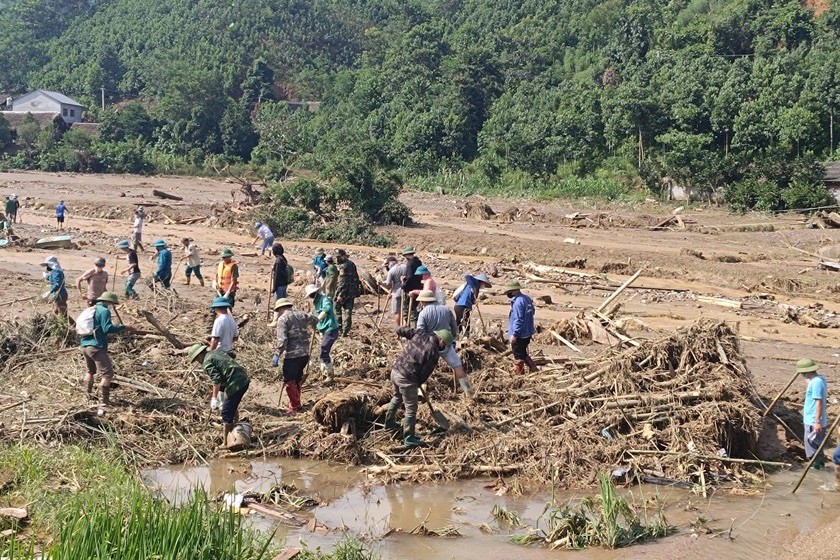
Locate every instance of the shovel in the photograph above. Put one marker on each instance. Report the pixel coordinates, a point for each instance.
(440, 419)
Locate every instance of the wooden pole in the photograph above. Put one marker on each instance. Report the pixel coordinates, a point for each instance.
(816, 455)
(114, 279)
(782, 392)
(480, 318)
(270, 293)
(618, 291)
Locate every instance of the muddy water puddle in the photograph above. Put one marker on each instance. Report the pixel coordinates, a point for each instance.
(759, 525)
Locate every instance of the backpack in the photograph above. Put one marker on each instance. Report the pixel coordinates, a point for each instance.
(84, 322)
(290, 273)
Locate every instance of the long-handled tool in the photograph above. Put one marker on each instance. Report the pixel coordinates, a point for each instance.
(480, 318)
(411, 303)
(310, 363)
(782, 392)
(438, 416)
(817, 454)
(114, 278)
(270, 293)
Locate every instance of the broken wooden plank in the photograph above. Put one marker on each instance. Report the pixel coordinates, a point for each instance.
(143, 386)
(288, 554)
(620, 289)
(557, 335)
(165, 195)
(722, 302)
(276, 513)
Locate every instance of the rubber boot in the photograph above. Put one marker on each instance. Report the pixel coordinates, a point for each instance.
(391, 418)
(293, 390)
(106, 394)
(329, 371)
(201, 282)
(226, 429)
(187, 282)
(411, 440)
(519, 367)
(531, 365)
(89, 385)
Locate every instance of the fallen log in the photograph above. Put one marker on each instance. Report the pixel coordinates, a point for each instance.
(722, 302)
(165, 195)
(620, 289)
(163, 330)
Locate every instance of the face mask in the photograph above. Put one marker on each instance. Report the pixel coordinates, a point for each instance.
(510, 295)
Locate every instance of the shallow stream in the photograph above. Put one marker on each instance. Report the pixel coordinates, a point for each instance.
(761, 524)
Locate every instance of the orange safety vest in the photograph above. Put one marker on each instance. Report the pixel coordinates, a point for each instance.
(224, 275)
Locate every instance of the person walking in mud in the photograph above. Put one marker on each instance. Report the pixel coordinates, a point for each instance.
(60, 211)
(411, 369)
(293, 345)
(328, 327)
(466, 297)
(393, 281)
(227, 277)
(435, 317)
(227, 377)
(137, 229)
(132, 271)
(96, 279)
(279, 272)
(410, 283)
(267, 236)
(348, 289)
(192, 254)
(814, 413)
(319, 265)
(57, 293)
(94, 344)
(163, 273)
(224, 331)
(12, 208)
(520, 327)
(330, 277)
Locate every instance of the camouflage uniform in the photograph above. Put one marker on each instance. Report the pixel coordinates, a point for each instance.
(346, 292)
(413, 367)
(293, 338)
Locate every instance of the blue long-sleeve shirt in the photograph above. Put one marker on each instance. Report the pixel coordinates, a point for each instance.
(521, 318)
(164, 265)
(57, 286)
(102, 327)
(467, 297)
(319, 263)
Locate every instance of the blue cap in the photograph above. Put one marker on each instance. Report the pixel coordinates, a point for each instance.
(258, 224)
(159, 243)
(421, 270)
(219, 301)
(123, 244)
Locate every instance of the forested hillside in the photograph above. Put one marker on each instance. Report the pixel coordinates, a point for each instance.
(557, 96)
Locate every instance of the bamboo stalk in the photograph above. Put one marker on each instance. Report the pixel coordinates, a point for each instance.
(782, 392)
(708, 457)
(616, 293)
(816, 455)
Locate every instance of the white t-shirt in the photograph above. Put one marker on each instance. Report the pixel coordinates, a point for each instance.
(224, 328)
(193, 255)
(138, 224)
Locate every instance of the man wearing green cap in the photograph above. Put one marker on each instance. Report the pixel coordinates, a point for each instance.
(293, 345)
(93, 327)
(227, 376)
(163, 274)
(814, 413)
(227, 277)
(411, 369)
(520, 326)
(224, 330)
(132, 271)
(347, 290)
(410, 283)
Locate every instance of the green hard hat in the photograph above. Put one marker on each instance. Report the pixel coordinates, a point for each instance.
(227, 252)
(282, 302)
(159, 243)
(445, 335)
(219, 301)
(123, 244)
(194, 350)
(108, 297)
(512, 286)
(806, 365)
(408, 251)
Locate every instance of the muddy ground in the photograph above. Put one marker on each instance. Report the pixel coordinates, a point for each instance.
(788, 308)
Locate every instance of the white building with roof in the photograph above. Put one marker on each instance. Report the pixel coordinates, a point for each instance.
(43, 101)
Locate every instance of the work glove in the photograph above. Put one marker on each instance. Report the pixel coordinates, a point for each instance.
(214, 404)
(466, 386)
(45, 295)
(275, 360)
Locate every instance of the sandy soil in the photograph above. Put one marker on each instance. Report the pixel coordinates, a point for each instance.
(100, 208)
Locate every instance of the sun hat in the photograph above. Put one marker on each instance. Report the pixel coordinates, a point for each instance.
(427, 295)
(52, 259)
(220, 302)
(483, 278)
(421, 270)
(282, 302)
(806, 365)
(311, 289)
(328, 258)
(108, 297)
(194, 351)
(226, 253)
(512, 286)
(445, 335)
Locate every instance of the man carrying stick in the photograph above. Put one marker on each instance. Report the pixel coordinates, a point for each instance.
(293, 345)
